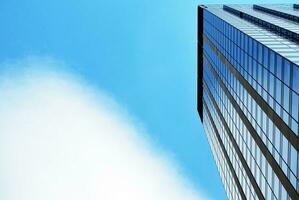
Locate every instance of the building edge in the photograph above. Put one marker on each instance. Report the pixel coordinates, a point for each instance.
(200, 60)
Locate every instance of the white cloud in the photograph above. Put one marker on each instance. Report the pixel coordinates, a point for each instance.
(62, 140)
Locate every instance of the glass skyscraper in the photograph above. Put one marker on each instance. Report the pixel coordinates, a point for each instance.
(248, 87)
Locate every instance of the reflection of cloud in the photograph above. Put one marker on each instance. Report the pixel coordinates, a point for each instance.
(61, 140)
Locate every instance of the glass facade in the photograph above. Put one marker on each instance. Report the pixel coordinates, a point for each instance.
(250, 97)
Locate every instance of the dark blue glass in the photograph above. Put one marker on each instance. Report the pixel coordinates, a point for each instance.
(246, 43)
(296, 78)
(242, 40)
(278, 91)
(246, 63)
(238, 54)
(271, 84)
(295, 102)
(279, 67)
(287, 70)
(259, 69)
(238, 38)
(260, 53)
(265, 79)
(254, 74)
(272, 62)
(266, 50)
(250, 65)
(254, 49)
(250, 46)
(233, 35)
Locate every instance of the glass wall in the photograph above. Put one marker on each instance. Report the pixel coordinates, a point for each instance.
(275, 79)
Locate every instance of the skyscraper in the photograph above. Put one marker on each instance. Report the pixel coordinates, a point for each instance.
(248, 86)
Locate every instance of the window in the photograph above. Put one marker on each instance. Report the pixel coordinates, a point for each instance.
(293, 159)
(259, 69)
(234, 35)
(283, 194)
(272, 62)
(286, 96)
(266, 57)
(276, 185)
(254, 49)
(287, 74)
(271, 84)
(277, 139)
(238, 54)
(279, 67)
(296, 78)
(294, 126)
(256, 68)
(245, 42)
(265, 79)
(295, 101)
(278, 91)
(244, 59)
(285, 149)
(250, 65)
(238, 38)
(250, 46)
(260, 53)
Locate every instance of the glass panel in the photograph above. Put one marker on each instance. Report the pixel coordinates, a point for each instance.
(293, 160)
(296, 78)
(285, 149)
(286, 96)
(271, 85)
(279, 67)
(295, 101)
(254, 48)
(266, 57)
(260, 53)
(250, 46)
(260, 74)
(287, 74)
(278, 91)
(272, 61)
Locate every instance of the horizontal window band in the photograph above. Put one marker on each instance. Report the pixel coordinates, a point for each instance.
(230, 165)
(276, 168)
(276, 13)
(236, 147)
(290, 35)
(275, 118)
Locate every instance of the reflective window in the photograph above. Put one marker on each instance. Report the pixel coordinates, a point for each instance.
(265, 57)
(287, 74)
(260, 53)
(274, 79)
(249, 45)
(272, 62)
(286, 99)
(295, 101)
(296, 78)
(279, 66)
(254, 47)
(293, 160)
(278, 90)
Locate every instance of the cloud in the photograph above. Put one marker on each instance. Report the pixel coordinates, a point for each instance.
(60, 139)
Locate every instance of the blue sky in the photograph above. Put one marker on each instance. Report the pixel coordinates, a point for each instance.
(143, 53)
